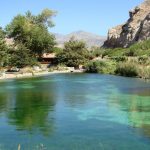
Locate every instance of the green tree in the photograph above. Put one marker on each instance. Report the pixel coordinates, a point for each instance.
(74, 53)
(21, 57)
(45, 18)
(32, 31)
(75, 45)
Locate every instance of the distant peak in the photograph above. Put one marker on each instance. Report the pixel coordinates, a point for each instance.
(79, 31)
(91, 39)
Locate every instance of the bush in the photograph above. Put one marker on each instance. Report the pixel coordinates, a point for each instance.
(71, 59)
(114, 52)
(144, 72)
(131, 53)
(127, 69)
(106, 67)
(22, 57)
(120, 58)
(96, 52)
(139, 49)
(143, 60)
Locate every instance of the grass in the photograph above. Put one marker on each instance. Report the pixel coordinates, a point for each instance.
(131, 67)
(102, 66)
(128, 69)
(144, 72)
(133, 61)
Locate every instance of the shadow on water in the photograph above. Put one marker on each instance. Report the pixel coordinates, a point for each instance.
(141, 91)
(31, 111)
(29, 106)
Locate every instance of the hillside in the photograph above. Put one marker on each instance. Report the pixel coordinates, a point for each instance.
(90, 38)
(136, 29)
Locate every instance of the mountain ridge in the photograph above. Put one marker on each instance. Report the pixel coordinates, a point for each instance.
(90, 39)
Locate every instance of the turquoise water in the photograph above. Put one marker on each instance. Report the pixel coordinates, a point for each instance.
(75, 112)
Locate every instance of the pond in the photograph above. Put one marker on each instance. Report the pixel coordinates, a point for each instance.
(75, 112)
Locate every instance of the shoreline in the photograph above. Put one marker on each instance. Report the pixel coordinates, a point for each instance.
(18, 75)
(34, 74)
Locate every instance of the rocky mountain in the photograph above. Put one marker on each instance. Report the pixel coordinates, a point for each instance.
(136, 29)
(90, 38)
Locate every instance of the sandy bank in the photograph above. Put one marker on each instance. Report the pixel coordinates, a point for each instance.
(17, 75)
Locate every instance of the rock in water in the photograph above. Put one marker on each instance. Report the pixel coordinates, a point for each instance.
(136, 29)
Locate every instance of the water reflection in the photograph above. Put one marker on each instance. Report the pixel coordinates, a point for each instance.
(29, 109)
(71, 111)
(141, 91)
(136, 108)
(3, 102)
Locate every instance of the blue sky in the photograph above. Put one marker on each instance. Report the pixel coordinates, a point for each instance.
(95, 16)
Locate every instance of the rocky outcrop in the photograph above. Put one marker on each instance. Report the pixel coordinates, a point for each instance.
(136, 29)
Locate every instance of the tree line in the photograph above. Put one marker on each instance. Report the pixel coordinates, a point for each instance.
(31, 38)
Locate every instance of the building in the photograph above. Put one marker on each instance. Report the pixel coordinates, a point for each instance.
(48, 58)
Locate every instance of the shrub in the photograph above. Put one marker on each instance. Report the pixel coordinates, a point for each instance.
(139, 49)
(130, 53)
(95, 66)
(127, 69)
(144, 72)
(22, 57)
(71, 59)
(96, 52)
(120, 58)
(106, 67)
(143, 60)
(114, 52)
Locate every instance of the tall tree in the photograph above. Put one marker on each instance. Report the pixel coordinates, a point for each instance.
(74, 54)
(32, 31)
